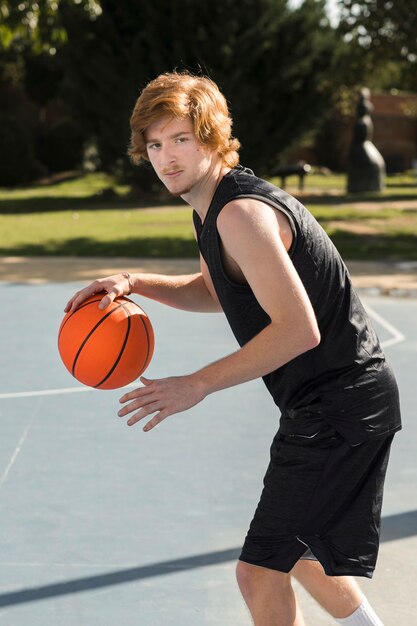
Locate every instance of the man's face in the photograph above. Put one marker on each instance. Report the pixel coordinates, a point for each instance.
(178, 158)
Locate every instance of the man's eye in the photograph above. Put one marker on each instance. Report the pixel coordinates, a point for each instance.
(153, 146)
(181, 139)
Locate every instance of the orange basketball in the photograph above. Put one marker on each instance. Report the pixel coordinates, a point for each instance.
(109, 348)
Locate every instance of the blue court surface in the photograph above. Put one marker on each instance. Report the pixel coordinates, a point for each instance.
(102, 524)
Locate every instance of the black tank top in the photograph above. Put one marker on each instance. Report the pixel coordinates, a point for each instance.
(344, 383)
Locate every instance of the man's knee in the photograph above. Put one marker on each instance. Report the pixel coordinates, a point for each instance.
(252, 578)
(305, 568)
(244, 576)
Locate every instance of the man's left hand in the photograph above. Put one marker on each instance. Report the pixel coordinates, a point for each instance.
(164, 396)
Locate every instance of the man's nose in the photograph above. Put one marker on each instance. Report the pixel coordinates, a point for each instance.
(167, 155)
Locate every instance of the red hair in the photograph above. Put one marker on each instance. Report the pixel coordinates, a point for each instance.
(182, 95)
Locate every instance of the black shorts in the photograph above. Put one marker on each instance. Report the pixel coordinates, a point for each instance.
(320, 497)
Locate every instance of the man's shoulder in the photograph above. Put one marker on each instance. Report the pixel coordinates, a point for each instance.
(241, 182)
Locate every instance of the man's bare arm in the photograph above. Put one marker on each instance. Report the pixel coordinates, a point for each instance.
(187, 292)
(250, 234)
(252, 240)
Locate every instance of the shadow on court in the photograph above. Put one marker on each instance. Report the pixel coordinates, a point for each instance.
(394, 527)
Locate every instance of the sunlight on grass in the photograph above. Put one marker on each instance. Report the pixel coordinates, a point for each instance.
(92, 216)
(80, 187)
(88, 233)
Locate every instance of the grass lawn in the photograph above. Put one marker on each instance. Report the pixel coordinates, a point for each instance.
(159, 232)
(92, 216)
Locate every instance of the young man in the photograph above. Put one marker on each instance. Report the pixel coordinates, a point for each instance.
(288, 298)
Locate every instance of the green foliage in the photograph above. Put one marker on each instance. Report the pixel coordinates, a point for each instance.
(383, 25)
(37, 25)
(33, 40)
(382, 32)
(272, 63)
(16, 150)
(61, 148)
(281, 69)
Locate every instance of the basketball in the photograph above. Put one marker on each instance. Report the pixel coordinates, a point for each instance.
(106, 349)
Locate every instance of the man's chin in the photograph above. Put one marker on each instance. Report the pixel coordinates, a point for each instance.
(180, 192)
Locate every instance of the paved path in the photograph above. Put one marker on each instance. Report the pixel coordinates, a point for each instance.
(386, 278)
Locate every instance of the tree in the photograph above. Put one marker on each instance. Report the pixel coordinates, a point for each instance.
(277, 66)
(38, 25)
(274, 65)
(32, 75)
(383, 32)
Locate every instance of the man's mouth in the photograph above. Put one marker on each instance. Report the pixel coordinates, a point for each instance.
(172, 174)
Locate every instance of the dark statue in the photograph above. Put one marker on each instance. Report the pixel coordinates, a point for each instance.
(366, 166)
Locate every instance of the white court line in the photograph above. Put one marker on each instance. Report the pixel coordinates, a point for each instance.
(52, 392)
(15, 454)
(397, 336)
(43, 392)
(20, 443)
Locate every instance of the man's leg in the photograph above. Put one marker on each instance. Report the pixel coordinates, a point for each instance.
(340, 596)
(269, 596)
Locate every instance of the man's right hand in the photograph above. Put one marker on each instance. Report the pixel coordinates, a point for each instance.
(111, 287)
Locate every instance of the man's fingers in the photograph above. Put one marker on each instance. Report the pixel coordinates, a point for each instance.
(157, 419)
(144, 412)
(163, 397)
(108, 287)
(107, 300)
(139, 405)
(83, 294)
(136, 403)
(70, 304)
(140, 392)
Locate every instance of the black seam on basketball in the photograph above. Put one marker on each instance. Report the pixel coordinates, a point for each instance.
(122, 349)
(148, 344)
(74, 312)
(89, 335)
